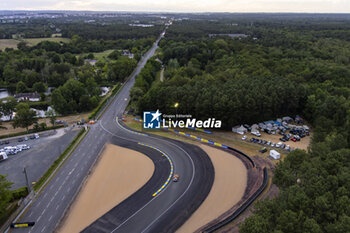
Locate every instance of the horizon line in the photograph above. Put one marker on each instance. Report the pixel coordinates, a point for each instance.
(184, 12)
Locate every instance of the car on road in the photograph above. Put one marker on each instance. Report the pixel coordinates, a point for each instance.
(32, 137)
(176, 178)
(244, 138)
(7, 142)
(20, 139)
(26, 138)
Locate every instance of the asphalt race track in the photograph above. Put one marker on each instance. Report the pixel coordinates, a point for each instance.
(141, 212)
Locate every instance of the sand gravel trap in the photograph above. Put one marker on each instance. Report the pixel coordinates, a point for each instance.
(228, 188)
(118, 174)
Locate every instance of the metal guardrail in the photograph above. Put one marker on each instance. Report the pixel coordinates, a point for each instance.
(242, 207)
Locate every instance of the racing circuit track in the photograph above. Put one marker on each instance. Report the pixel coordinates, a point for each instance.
(141, 212)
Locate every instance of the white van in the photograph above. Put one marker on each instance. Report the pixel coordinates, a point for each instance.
(36, 136)
(3, 156)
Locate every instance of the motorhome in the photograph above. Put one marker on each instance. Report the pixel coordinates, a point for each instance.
(3, 156)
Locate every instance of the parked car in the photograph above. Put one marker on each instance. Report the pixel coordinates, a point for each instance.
(252, 139)
(32, 137)
(36, 136)
(26, 138)
(278, 145)
(7, 142)
(283, 146)
(268, 143)
(283, 139)
(273, 144)
(20, 139)
(244, 138)
(287, 147)
(263, 150)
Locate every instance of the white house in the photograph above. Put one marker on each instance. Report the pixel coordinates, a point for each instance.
(33, 97)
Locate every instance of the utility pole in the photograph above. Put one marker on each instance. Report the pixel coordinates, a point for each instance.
(27, 181)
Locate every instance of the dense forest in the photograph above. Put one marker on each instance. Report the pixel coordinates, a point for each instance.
(285, 66)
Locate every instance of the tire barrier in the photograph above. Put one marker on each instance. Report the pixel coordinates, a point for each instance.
(243, 154)
(242, 207)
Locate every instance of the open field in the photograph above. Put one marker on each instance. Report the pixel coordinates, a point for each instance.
(108, 185)
(228, 188)
(12, 43)
(8, 43)
(35, 41)
(71, 120)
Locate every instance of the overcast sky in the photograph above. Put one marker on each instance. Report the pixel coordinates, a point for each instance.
(324, 6)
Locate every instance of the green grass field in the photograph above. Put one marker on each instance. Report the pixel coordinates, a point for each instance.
(8, 43)
(12, 43)
(35, 41)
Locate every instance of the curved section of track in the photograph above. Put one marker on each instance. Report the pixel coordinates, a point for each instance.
(165, 212)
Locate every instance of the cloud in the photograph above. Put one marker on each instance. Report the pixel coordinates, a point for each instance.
(183, 5)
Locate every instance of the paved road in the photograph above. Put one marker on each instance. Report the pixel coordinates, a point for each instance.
(44, 151)
(172, 206)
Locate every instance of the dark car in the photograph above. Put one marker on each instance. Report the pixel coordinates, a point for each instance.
(32, 137)
(283, 139)
(283, 146)
(264, 142)
(252, 139)
(6, 142)
(263, 150)
(20, 139)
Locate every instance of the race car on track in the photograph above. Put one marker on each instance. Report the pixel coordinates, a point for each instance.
(176, 178)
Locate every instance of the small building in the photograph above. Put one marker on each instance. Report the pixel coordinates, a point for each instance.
(128, 54)
(274, 154)
(33, 97)
(239, 129)
(90, 61)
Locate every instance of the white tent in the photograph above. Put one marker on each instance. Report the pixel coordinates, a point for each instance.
(274, 154)
(239, 129)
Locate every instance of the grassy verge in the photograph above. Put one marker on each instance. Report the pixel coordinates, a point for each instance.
(30, 131)
(57, 162)
(104, 102)
(9, 211)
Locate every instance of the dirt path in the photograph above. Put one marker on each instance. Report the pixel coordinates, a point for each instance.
(228, 188)
(109, 184)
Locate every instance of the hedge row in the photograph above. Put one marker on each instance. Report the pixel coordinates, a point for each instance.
(104, 102)
(55, 164)
(41, 105)
(30, 131)
(19, 193)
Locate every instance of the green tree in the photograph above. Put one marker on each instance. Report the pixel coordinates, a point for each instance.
(39, 87)
(51, 114)
(24, 116)
(8, 107)
(21, 87)
(5, 194)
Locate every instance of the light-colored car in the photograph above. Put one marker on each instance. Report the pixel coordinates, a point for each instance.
(244, 137)
(278, 145)
(273, 144)
(36, 136)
